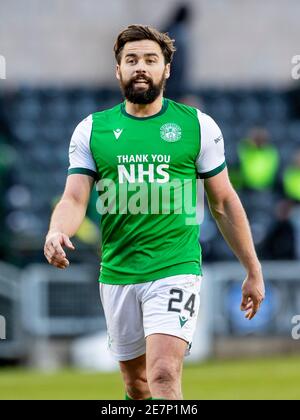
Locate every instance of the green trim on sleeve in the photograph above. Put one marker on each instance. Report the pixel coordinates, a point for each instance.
(213, 172)
(83, 171)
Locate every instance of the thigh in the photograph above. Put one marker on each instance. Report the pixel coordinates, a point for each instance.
(164, 346)
(124, 320)
(171, 307)
(165, 354)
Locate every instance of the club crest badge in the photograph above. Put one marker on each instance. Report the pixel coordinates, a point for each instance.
(170, 132)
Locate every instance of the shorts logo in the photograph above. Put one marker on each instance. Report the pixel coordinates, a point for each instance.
(182, 320)
(170, 132)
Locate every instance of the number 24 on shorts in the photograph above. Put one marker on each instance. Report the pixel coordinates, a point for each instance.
(189, 305)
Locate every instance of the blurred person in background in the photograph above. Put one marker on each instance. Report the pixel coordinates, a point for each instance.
(259, 161)
(179, 28)
(280, 243)
(291, 179)
(151, 272)
(291, 189)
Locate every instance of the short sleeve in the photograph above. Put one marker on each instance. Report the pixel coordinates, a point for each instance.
(80, 155)
(211, 159)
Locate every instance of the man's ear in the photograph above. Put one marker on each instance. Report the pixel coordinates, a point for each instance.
(168, 70)
(118, 71)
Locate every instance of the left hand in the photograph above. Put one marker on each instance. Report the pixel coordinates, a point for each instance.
(253, 293)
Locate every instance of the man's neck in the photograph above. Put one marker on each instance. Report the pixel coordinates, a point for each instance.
(138, 110)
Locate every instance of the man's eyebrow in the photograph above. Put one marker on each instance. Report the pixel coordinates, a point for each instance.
(146, 54)
(149, 54)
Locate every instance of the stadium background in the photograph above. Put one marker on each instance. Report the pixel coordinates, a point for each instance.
(237, 61)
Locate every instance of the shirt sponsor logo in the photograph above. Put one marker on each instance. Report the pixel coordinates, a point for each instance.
(170, 132)
(72, 148)
(143, 168)
(218, 139)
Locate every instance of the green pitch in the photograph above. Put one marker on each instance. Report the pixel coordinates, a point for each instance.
(273, 378)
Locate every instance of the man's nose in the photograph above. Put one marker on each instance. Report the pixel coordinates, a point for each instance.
(141, 67)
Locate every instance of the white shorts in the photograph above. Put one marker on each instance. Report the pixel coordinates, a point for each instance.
(135, 311)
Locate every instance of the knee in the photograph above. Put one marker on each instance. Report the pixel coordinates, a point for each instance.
(162, 374)
(137, 388)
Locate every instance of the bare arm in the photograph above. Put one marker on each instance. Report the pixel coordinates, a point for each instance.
(227, 210)
(67, 218)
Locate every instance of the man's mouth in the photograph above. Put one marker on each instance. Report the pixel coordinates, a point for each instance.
(140, 81)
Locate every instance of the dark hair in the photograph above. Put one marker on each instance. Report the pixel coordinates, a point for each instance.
(141, 32)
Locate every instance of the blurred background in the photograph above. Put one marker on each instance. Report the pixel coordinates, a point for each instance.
(238, 61)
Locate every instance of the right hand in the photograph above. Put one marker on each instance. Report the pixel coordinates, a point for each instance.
(253, 291)
(53, 249)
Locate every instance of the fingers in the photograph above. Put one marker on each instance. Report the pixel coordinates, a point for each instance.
(244, 302)
(62, 266)
(67, 242)
(58, 248)
(252, 308)
(54, 252)
(249, 305)
(57, 261)
(253, 293)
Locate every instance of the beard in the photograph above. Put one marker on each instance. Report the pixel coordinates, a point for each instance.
(143, 96)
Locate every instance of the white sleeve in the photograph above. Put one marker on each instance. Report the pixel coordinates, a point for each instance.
(211, 159)
(80, 155)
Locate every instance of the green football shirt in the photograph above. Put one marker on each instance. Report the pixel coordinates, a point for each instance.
(146, 171)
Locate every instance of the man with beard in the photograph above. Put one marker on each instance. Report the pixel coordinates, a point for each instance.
(150, 272)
